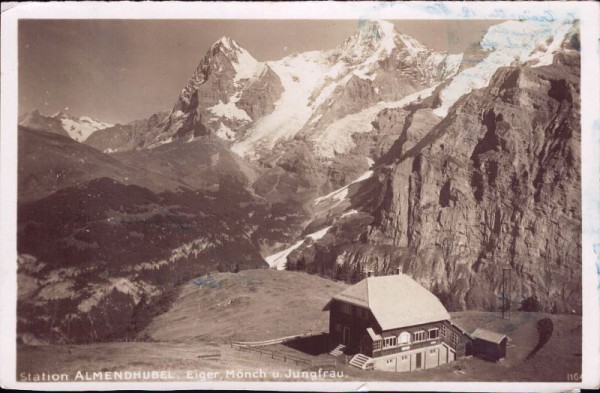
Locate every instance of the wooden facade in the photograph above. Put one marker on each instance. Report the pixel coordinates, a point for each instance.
(348, 325)
(488, 350)
(396, 323)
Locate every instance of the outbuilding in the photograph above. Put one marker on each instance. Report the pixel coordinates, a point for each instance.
(489, 345)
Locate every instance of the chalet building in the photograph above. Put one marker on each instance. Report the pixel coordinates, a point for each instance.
(489, 345)
(392, 323)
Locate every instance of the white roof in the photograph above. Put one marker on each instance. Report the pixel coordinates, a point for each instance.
(374, 336)
(396, 301)
(488, 335)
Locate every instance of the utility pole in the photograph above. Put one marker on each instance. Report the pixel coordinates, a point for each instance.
(506, 287)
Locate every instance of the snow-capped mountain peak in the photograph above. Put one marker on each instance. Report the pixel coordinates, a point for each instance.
(316, 84)
(80, 128)
(371, 37)
(243, 62)
(376, 39)
(227, 43)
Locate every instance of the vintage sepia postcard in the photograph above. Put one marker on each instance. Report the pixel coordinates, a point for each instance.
(300, 196)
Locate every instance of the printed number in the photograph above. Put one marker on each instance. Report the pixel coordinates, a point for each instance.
(573, 377)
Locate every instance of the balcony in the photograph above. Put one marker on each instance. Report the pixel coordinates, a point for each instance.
(405, 347)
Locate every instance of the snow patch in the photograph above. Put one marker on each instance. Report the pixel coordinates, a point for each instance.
(412, 45)
(348, 213)
(279, 260)
(229, 111)
(316, 119)
(342, 193)
(225, 133)
(245, 65)
(159, 143)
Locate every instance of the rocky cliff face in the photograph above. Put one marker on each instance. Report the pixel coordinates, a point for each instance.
(125, 137)
(495, 185)
(228, 90)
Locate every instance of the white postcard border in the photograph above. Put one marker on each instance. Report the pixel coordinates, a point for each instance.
(587, 12)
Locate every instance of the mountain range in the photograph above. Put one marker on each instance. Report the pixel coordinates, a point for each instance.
(378, 153)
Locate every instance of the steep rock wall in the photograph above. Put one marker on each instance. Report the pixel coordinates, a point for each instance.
(499, 187)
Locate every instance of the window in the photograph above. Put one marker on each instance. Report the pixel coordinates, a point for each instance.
(434, 333)
(443, 330)
(454, 340)
(404, 338)
(432, 350)
(347, 308)
(389, 361)
(389, 342)
(405, 357)
(377, 345)
(419, 336)
(363, 313)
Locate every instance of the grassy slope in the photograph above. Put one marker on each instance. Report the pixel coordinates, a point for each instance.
(251, 305)
(263, 304)
(50, 162)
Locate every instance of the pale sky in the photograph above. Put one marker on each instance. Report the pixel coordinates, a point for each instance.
(121, 70)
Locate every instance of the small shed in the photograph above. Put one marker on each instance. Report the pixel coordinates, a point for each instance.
(489, 345)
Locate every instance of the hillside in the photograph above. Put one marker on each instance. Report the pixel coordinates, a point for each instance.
(266, 304)
(49, 162)
(251, 305)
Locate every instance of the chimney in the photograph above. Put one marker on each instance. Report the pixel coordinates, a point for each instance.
(399, 270)
(369, 273)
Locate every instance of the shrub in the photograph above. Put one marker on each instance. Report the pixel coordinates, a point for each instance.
(531, 304)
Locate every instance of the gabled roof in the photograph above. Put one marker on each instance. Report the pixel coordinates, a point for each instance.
(488, 335)
(459, 327)
(374, 336)
(396, 301)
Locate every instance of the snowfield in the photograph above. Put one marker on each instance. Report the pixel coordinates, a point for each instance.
(506, 42)
(80, 128)
(337, 137)
(299, 75)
